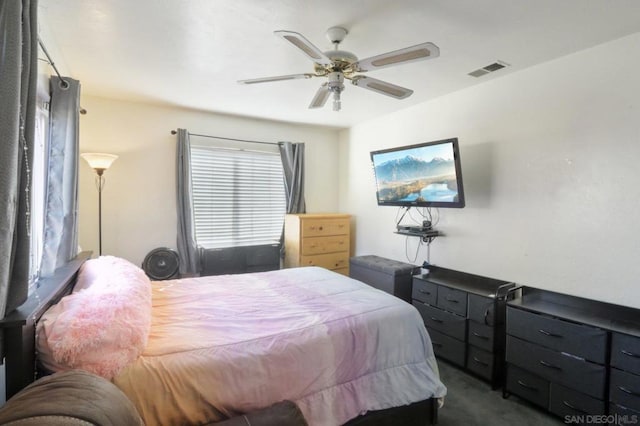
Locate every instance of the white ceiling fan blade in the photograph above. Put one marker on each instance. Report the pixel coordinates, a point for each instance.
(299, 41)
(397, 57)
(382, 87)
(320, 97)
(276, 78)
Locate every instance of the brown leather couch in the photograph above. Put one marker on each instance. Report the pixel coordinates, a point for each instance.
(78, 398)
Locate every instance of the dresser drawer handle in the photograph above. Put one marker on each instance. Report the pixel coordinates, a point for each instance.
(451, 300)
(480, 362)
(631, 354)
(546, 364)
(627, 391)
(572, 407)
(439, 321)
(424, 292)
(480, 336)
(486, 316)
(526, 386)
(546, 333)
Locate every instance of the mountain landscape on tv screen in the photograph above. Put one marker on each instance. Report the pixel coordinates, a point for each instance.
(413, 179)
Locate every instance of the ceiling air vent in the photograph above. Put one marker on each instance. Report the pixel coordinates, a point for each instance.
(489, 68)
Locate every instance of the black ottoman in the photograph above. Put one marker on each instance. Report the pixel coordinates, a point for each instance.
(384, 274)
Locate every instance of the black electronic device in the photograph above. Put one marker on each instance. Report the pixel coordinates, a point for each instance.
(413, 228)
(421, 175)
(418, 232)
(161, 264)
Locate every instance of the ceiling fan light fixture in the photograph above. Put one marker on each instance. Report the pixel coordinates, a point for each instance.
(336, 65)
(337, 104)
(336, 86)
(336, 79)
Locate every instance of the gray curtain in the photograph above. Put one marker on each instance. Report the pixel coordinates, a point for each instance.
(61, 204)
(292, 155)
(18, 72)
(187, 247)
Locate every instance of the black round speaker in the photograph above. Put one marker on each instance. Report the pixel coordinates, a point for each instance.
(161, 264)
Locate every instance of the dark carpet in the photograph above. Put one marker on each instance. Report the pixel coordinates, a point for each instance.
(470, 401)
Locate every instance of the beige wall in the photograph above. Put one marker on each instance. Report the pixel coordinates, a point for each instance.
(549, 157)
(139, 199)
(551, 167)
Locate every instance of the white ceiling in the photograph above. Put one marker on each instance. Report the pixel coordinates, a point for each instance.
(191, 53)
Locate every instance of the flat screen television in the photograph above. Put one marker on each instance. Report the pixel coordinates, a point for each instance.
(421, 175)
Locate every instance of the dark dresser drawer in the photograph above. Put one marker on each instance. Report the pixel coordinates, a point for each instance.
(447, 347)
(624, 389)
(424, 291)
(481, 335)
(528, 386)
(625, 352)
(480, 362)
(452, 300)
(580, 340)
(481, 309)
(449, 302)
(554, 366)
(445, 322)
(622, 411)
(568, 402)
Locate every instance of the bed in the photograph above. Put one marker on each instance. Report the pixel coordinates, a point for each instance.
(205, 349)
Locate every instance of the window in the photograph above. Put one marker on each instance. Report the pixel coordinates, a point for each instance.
(238, 196)
(38, 179)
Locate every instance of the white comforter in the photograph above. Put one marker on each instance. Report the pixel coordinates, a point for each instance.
(229, 344)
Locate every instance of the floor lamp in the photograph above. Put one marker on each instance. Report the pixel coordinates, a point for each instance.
(99, 163)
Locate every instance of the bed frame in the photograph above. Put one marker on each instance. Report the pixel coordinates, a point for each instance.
(19, 329)
(417, 414)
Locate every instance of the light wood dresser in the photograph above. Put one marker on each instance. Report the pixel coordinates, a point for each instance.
(317, 240)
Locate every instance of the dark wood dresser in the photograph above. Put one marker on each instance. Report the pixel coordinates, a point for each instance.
(465, 316)
(572, 356)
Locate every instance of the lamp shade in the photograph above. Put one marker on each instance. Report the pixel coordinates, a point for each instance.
(99, 161)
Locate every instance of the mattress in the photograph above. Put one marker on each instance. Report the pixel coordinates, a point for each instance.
(224, 345)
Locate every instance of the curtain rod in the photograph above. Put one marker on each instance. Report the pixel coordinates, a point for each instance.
(173, 132)
(64, 83)
(53, 65)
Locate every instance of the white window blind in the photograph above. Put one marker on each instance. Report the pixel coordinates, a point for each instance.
(238, 197)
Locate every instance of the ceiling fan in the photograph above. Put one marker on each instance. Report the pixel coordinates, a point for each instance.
(337, 65)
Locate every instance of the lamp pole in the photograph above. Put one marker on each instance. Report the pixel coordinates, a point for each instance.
(100, 184)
